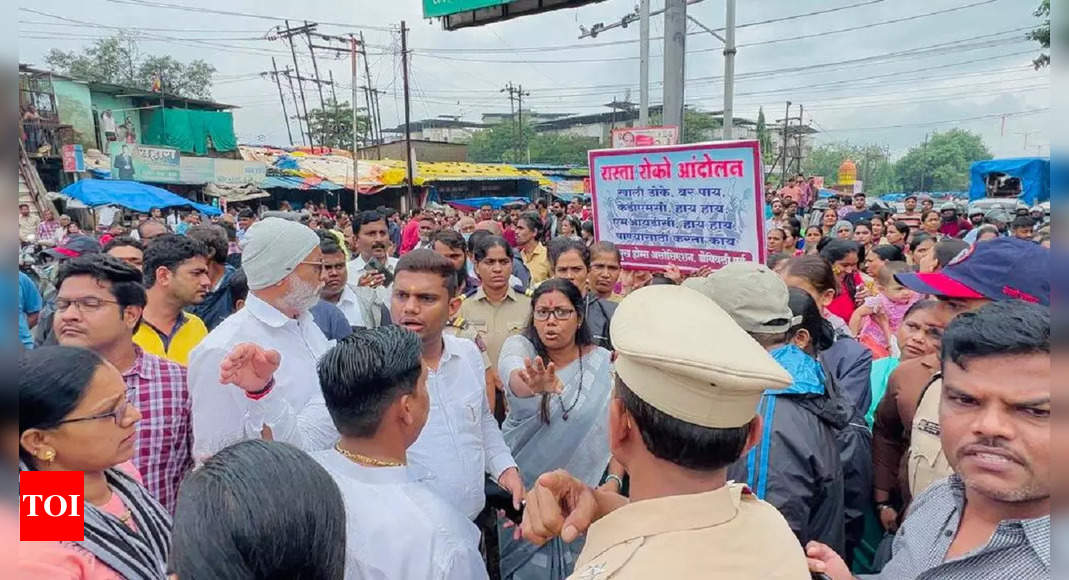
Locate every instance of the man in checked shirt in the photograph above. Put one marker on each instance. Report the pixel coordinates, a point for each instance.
(99, 300)
(991, 518)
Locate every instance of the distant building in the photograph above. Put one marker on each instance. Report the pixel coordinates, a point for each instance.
(600, 125)
(426, 150)
(441, 130)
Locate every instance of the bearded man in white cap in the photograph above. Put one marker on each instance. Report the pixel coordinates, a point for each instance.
(255, 375)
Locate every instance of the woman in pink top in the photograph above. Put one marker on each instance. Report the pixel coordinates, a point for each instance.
(74, 415)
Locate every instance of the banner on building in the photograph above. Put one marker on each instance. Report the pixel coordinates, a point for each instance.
(73, 158)
(689, 205)
(645, 136)
(134, 162)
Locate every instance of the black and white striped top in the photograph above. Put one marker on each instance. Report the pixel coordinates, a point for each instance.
(1019, 549)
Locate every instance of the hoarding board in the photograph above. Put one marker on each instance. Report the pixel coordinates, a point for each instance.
(689, 205)
(645, 136)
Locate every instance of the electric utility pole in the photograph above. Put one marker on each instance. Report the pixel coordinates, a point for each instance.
(408, 112)
(675, 48)
(278, 83)
(644, 64)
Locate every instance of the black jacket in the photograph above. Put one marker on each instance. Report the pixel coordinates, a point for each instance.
(796, 466)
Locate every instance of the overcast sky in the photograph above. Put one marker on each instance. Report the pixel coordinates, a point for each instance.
(961, 68)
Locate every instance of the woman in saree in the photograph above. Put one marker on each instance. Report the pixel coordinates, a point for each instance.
(558, 384)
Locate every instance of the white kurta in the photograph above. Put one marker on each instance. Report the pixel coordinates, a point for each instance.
(294, 409)
(398, 529)
(461, 440)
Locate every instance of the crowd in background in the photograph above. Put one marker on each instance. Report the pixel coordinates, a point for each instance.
(413, 377)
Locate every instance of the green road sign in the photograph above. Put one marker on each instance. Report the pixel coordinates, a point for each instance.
(434, 8)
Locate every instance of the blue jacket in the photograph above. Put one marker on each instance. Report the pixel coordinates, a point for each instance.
(796, 465)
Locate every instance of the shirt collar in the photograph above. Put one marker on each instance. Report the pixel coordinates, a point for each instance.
(372, 475)
(480, 294)
(139, 368)
(266, 313)
(347, 296)
(662, 515)
(1036, 530)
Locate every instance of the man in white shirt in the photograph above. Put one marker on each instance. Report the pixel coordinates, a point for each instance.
(336, 289)
(375, 387)
(372, 242)
(268, 350)
(461, 440)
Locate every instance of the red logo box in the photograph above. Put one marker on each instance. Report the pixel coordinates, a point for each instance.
(51, 506)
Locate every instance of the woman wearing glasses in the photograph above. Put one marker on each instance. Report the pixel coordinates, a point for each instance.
(558, 387)
(75, 415)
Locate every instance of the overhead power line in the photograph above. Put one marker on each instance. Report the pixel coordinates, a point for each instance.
(274, 18)
(943, 122)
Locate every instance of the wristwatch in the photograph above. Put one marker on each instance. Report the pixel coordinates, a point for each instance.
(883, 505)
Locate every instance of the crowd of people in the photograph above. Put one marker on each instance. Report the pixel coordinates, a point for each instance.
(489, 393)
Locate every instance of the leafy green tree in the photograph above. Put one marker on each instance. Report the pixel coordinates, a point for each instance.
(874, 167)
(333, 125)
(1042, 34)
(502, 144)
(189, 80)
(118, 60)
(942, 164)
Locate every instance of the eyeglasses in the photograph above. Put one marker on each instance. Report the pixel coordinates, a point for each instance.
(87, 304)
(115, 414)
(558, 313)
(317, 265)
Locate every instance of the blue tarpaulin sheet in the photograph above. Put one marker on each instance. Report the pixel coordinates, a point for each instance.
(494, 202)
(130, 194)
(294, 182)
(1034, 173)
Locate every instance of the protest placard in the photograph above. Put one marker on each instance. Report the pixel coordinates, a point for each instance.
(689, 205)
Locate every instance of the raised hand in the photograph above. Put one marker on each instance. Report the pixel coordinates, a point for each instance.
(673, 273)
(249, 367)
(539, 377)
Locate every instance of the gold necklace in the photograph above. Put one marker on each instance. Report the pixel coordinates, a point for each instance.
(365, 460)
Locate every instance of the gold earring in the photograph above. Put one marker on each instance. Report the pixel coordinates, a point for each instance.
(49, 455)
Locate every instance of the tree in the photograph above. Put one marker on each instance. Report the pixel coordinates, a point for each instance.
(764, 138)
(333, 126)
(118, 60)
(1042, 34)
(942, 163)
(189, 80)
(502, 144)
(874, 167)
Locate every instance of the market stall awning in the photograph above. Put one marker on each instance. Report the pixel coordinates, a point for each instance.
(296, 182)
(133, 195)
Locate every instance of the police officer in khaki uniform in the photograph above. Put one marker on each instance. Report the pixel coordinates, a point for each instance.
(999, 269)
(495, 311)
(685, 408)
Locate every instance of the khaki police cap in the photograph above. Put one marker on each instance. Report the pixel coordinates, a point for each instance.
(756, 297)
(680, 352)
